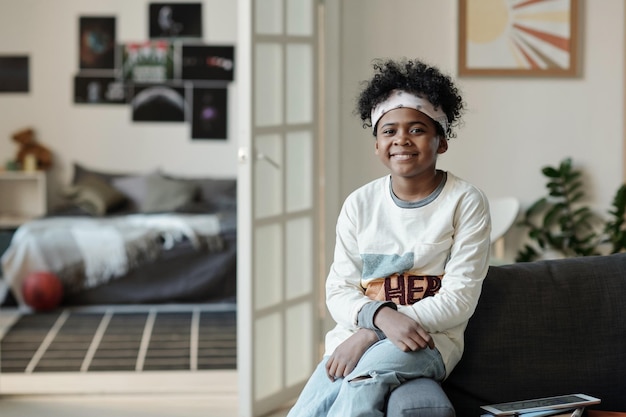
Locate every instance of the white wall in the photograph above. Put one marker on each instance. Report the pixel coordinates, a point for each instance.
(102, 136)
(513, 126)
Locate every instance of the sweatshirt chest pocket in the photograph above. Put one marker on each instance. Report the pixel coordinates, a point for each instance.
(430, 258)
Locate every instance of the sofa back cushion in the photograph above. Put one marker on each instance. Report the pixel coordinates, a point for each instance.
(546, 328)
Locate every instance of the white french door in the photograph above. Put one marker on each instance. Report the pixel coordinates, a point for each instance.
(278, 325)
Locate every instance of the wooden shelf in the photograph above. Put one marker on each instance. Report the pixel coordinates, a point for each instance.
(23, 196)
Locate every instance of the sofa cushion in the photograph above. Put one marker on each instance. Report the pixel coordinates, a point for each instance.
(421, 397)
(546, 328)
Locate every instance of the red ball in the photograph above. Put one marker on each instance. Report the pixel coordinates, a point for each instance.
(42, 290)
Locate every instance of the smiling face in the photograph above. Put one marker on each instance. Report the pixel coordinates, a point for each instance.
(407, 143)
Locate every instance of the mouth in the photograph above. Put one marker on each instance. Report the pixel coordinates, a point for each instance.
(402, 156)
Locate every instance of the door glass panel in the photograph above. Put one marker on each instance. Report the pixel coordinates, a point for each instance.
(269, 17)
(278, 280)
(268, 77)
(267, 176)
(299, 171)
(268, 279)
(299, 17)
(299, 255)
(267, 355)
(299, 342)
(299, 83)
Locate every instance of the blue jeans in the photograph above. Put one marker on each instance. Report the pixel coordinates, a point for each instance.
(384, 367)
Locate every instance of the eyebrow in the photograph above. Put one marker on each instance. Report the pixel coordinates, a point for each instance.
(409, 123)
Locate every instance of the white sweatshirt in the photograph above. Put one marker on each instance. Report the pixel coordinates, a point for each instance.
(445, 235)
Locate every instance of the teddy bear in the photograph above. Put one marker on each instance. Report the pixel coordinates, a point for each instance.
(28, 146)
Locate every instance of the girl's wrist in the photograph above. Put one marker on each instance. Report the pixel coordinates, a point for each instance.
(382, 315)
(368, 334)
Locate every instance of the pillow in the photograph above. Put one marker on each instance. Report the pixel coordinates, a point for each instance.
(95, 195)
(135, 188)
(80, 172)
(219, 193)
(223, 202)
(164, 194)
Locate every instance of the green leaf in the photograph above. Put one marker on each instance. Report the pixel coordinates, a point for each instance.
(573, 187)
(583, 213)
(577, 197)
(551, 216)
(550, 172)
(566, 165)
(573, 175)
(536, 206)
(553, 184)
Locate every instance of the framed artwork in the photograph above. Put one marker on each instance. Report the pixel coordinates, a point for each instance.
(148, 62)
(159, 103)
(99, 90)
(209, 116)
(96, 42)
(175, 20)
(14, 76)
(532, 38)
(204, 62)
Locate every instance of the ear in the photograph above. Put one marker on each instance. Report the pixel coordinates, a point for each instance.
(376, 146)
(443, 145)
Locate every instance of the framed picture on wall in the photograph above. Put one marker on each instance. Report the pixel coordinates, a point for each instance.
(14, 77)
(175, 20)
(148, 61)
(96, 42)
(99, 90)
(209, 116)
(159, 103)
(208, 62)
(519, 38)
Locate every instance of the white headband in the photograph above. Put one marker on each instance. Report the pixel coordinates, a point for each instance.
(400, 98)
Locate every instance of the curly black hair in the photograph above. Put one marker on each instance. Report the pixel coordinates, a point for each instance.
(416, 77)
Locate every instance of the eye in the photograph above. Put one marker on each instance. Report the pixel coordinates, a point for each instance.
(388, 131)
(417, 130)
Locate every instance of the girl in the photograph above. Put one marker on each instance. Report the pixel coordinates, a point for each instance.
(411, 252)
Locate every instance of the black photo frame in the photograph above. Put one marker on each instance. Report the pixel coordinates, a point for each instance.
(159, 103)
(175, 20)
(14, 74)
(210, 113)
(207, 62)
(99, 90)
(96, 44)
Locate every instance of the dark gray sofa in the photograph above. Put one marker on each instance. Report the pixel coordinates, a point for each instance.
(540, 329)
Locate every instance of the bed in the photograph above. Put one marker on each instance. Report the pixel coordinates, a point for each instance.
(132, 239)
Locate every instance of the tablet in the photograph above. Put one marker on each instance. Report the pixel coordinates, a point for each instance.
(558, 402)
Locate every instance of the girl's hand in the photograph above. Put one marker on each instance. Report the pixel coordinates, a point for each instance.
(403, 331)
(347, 355)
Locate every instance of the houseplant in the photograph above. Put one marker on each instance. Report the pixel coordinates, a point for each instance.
(562, 223)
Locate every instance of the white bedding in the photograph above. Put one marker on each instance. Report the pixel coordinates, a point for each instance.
(85, 252)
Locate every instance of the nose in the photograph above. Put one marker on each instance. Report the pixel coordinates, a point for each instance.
(402, 138)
